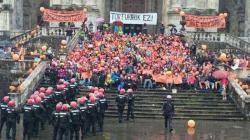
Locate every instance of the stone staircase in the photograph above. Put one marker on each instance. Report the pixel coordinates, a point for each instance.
(188, 105)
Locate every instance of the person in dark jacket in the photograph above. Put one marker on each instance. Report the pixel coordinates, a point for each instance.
(55, 120)
(121, 100)
(3, 107)
(92, 114)
(130, 100)
(83, 109)
(13, 117)
(75, 114)
(64, 122)
(38, 110)
(168, 112)
(103, 106)
(28, 119)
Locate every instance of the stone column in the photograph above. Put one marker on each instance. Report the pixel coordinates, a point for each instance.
(247, 18)
(164, 13)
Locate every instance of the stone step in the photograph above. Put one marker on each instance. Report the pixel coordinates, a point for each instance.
(179, 110)
(154, 91)
(182, 117)
(223, 115)
(143, 93)
(176, 99)
(186, 107)
(159, 103)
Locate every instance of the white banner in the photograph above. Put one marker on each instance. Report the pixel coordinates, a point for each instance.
(134, 18)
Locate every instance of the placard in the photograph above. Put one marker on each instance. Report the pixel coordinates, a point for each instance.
(134, 18)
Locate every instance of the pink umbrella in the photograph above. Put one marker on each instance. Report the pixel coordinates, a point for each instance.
(220, 74)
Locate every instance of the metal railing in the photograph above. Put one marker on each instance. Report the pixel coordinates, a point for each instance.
(233, 41)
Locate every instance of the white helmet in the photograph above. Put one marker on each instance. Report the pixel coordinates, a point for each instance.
(169, 97)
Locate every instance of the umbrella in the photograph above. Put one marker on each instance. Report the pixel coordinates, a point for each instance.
(172, 25)
(220, 74)
(99, 20)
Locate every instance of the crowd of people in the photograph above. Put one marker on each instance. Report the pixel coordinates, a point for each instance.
(59, 107)
(109, 60)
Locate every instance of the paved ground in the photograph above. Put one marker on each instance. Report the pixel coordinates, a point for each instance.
(154, 130)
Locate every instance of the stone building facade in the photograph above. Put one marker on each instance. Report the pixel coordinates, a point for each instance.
(19, 15)
(164, 8)
(95, 9)
(238, 21)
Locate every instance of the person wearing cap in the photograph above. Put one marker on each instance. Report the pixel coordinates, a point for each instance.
(168, 112)
(3, 107)
(92, 115)
(121, 101)
(75, 114)
(55, 120)
(103, 106)
(64, 122)
(82, 102)
(38, 110)
(130, 100)
(28, 119)
(13, 117)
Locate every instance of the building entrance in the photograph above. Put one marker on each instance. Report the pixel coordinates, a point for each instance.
(134, 29)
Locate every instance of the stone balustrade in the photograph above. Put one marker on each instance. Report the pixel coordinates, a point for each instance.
(34, 79)
(30, 83)
(239, 97)
(44, 31)
(221, 38)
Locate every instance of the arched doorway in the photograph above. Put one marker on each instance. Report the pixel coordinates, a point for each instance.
(133, 6)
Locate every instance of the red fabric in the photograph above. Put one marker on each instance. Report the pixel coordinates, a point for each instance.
(205, 21)
(63, 16)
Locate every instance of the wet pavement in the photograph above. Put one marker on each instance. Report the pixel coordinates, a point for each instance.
(150, 129)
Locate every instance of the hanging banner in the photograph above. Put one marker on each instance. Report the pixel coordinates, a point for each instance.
(205, 21)
(134, 18)
(63, 16)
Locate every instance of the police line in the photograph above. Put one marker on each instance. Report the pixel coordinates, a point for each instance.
(134, 18)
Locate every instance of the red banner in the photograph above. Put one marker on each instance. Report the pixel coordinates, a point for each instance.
(63, 16)
(205, 21)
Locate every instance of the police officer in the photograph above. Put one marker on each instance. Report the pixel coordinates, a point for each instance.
(83, 109)
(64, 122)
(55, 120)
(38, 110)
(58, 95)
(3, 107)
(48, 104)
(168, 112)
(121, 100)
(92, 114)
(76, 120)
(103, 106)
(28, 118)
(130, 100)
(12, 118)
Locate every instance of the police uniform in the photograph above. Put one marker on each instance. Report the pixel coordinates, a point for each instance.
(28, 120)
(120, 100)
(3, 107)
(64, 124)
(103, 106)
(130, 111)
(13, 117)
(75, 114)
(83, 110)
